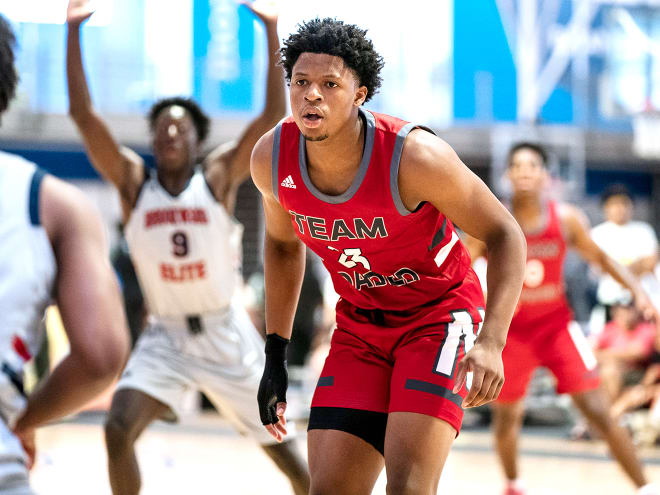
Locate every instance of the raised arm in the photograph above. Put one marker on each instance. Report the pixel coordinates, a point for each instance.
(576, 227)
(89, 301)
(119, 165)
(284, 267)
(430, 171)
(228, 166)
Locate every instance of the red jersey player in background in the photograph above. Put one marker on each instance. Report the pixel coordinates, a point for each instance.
(542, 332)
(376, 198)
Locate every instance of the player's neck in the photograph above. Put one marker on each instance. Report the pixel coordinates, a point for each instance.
(527, 209)
(175, 181)
(333, 162)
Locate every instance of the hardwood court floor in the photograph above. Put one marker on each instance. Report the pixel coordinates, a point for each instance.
(204, 456)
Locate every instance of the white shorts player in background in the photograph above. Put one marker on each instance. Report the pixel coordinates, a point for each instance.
(185, 245)
(52, 245)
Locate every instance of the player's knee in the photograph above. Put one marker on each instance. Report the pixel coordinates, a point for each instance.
(118, 435)
(405, 484)
(333, 485)
(600, 419)
(317, 488)
(506, 420)
(291, 463)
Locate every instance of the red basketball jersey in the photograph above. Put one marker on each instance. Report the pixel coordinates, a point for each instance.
(379, 254)
(543, 294)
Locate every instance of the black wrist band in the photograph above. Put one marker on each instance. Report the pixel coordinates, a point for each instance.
(276, 345)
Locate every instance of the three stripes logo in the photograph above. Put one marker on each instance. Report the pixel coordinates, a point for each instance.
(288, 182)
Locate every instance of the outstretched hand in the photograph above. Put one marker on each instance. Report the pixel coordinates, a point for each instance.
(78, 11)
(27, 438)
(272, 388)
(646, 307)
(272, 401)
(485, 362)
(266, 10)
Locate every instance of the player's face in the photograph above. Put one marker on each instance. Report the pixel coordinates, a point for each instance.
(618, 209)
(626, 316)
(325, 95)
(526, 172)
(174, 139)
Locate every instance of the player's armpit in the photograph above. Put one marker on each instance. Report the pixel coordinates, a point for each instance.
(475, 247)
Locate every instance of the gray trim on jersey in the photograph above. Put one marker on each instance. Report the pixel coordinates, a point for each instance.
(35, 188)
(370, 134)
(276, 161)
(432, 388)
(394, 165)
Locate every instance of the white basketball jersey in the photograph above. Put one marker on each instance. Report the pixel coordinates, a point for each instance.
(186, 249)
(27, 271)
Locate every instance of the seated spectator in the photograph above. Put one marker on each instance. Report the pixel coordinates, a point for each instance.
(644, 424)
(631, 243)
(624, 348)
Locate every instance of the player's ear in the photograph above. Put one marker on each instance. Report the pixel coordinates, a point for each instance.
(547, 178)
(360, 96)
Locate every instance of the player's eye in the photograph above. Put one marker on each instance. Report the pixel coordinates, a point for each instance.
(332, 84)
(301, 82)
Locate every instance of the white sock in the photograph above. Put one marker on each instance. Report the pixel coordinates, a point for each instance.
(649, 489)
(519, 485)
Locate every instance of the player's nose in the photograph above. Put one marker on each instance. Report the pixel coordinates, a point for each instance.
(313, 93)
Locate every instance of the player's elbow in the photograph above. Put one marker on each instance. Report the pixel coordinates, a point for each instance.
(508, 233)
(105, 359)
(80, 113)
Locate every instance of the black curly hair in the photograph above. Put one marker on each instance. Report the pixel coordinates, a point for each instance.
(528, 145)
(333, 37)
(200, 119)
(8, 74)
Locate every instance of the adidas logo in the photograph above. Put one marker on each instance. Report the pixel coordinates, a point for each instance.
(288, 182)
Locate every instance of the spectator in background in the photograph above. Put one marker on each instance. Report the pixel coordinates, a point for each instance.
(624, 348)
(580, 288)
(630, 243)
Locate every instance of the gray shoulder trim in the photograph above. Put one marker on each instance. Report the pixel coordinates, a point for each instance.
(276, 161)
(394, 165)
(35, 188)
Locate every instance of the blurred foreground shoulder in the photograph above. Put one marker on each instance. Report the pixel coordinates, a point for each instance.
(66, 210)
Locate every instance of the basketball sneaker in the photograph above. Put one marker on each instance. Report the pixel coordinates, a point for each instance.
(514, 487)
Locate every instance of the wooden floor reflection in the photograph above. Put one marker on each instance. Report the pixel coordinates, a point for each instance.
(204, 456)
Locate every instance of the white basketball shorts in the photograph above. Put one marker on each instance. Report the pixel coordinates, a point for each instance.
(225, 360)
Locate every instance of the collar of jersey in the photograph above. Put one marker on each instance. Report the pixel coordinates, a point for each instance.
(370, 132)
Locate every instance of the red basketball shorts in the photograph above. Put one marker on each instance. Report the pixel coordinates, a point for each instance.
(558, 345)
(398, 361)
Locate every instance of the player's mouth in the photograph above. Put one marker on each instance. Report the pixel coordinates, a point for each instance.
(312, 118)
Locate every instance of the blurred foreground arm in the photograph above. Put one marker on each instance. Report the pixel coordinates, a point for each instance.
(87, 293)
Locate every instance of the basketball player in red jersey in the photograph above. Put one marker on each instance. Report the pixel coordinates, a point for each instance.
(541, 332)
(376, 198)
